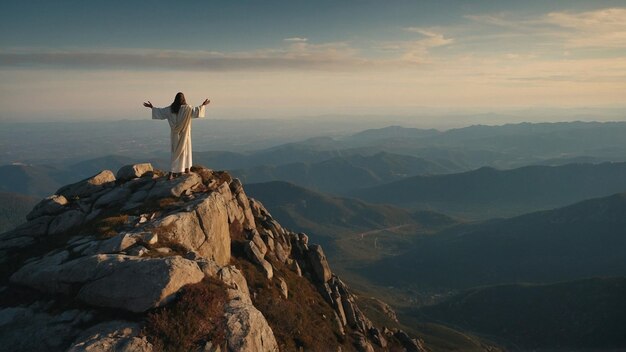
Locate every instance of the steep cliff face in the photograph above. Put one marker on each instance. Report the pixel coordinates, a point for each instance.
(136, 262)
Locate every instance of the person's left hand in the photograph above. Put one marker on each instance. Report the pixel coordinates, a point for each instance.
(148, 104)
(206, 102)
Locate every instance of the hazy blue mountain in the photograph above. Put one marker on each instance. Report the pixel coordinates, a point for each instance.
(13, 209)
(504, 146)
(487, 192)
(340, 174)
(33, 180)
(391, 132)
(331, 216)
(582, 314)
(583, 240)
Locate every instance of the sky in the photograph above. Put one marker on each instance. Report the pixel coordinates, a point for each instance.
(262, 59)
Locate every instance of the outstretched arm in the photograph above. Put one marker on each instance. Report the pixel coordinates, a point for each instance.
(199, 110)
(158, 114)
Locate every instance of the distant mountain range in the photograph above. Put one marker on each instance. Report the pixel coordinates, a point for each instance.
(13, 209)
(487, 192)
(331, 216)
(573, 315)
(583, 240)
(341, 174)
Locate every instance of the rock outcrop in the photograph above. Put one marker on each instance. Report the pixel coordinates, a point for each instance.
(105, 249)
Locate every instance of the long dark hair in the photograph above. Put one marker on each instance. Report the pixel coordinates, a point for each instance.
(178, 101)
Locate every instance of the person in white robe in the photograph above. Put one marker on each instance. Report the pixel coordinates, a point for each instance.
(179, 116)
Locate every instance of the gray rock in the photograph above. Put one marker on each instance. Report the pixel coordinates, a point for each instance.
(208, 267)
(114, 244)
(243, 202)
(166, 250)
(116, 196)
(52, 205)
(111, 280)
(253, 253)
(338, 325)
(295, 267)
(350, 311)
(128, 172)
(411, 345)
(247, 330)
(150, 238)
(204, 229)
(361, 342)
(26, 233)
(378, 337)
(281, 254)
(65, 222)
(88, 186)
(284, 290)
(174, 188)
(256, 238)
(94, 214)
(24, 329)
(237, 286)
(112, 336)
(318, 262)
(138, 251)
(138, 196)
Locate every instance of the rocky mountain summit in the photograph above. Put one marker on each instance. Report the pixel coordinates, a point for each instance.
(133, 261)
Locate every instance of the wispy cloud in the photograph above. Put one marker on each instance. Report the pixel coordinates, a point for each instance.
(602, 28)
(605, 28)
(418, 51)
(296, 39)
(299, 55)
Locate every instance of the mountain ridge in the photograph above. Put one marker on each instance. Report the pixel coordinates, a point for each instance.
(137, 242)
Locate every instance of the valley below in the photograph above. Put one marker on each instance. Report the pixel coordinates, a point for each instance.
(478, 238)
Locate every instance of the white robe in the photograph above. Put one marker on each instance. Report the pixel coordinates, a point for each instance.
(180, 125)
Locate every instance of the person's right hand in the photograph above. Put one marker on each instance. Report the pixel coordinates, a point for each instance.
(148, 104)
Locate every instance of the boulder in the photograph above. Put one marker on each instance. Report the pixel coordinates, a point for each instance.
(361, 343)
(236, 283)
(204, 229)
(318, 262)
(256, 238)
(31, 328)
(87, 186)
(247, 330)
(112, 336)
(284, 290)
(243, 202)
(112, 280)
(164, 188)
(128, 172)
(65, 222)
(116, 196)
(114, 244)
(377, 337)
(293, 266)
(52, 205)
(281, 254)
(255, 256)
(208, 267)
(25, 234)
(411, 345)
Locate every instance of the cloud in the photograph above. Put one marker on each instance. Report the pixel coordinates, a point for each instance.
(295, 39)
(418, 51)
(597, 29)
(604, 28)
(299, 55)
